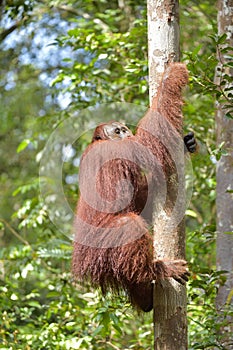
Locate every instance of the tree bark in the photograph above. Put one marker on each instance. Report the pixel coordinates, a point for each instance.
(163, 38)
(170, 321)
(224, 196)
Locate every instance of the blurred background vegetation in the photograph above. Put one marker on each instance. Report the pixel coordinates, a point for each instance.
(56, 59)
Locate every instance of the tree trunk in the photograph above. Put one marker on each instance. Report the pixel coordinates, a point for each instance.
(163, 38)
(170, 322)
(224, 199)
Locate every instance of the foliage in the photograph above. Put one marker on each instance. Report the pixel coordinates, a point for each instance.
(42, 309)
(106, 57)
(100, 56)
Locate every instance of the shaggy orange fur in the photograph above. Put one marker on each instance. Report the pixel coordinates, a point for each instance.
(113, 247)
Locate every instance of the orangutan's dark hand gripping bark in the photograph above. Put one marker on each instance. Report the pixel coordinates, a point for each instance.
(119, 171)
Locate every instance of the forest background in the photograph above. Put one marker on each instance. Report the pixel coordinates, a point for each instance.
(57, 59)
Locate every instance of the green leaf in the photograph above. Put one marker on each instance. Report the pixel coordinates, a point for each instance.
(229, 115)
(34, 303)
(191, 213)
(197, 49)
(23, 145)
(222, 39)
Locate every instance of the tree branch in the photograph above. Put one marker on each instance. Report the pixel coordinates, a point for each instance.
(8, 31)
(15, 233)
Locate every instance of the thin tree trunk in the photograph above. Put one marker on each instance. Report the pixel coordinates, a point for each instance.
(170, 322)
(163, 38)
(224, 199)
